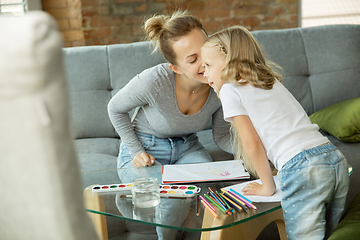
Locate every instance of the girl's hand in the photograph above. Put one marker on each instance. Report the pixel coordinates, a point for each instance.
(142, 160)
(257, 189)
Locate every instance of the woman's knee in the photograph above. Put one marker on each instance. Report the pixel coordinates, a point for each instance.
(200, 156)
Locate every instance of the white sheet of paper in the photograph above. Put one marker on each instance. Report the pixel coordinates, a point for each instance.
(198, 172)
(274, 198)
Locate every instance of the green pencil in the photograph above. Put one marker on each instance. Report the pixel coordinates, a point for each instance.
(227, 205)
(214, 203)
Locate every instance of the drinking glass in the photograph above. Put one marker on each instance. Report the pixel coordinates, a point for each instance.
(145, 192)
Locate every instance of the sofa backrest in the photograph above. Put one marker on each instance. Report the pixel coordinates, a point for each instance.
(95, 74)
(321, 67)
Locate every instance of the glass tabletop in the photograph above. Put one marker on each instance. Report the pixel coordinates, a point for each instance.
(177, 213)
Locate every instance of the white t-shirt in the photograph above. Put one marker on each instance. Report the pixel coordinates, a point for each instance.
(280, 121)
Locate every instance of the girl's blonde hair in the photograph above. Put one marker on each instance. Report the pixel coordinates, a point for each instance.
(164, 30)
(245, 64)
(245, 61)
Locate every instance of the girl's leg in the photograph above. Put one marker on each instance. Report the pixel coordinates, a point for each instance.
(308, 183)
(336, 208)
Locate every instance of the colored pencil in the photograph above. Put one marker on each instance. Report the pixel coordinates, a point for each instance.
(197, 205)
(217, 205)
(244, 199)
(227, 205)
(236, 206)
(241, 204)
(211, 190)
(240, 195)
(217, 195)
(217, 200)
(238, 199)
(235, 195)
(206, 202)
(208, 208)
(228, 193)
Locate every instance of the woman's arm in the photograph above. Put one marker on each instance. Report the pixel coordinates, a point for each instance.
(255, 151)
(139, 91)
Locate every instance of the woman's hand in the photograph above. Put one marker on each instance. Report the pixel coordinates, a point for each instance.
(142, 160)
(258, 189)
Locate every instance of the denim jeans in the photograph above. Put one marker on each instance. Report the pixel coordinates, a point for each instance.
(179, 150)
(314, 184)
(165, 151)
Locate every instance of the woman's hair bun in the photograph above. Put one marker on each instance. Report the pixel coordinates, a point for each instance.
(155, 25)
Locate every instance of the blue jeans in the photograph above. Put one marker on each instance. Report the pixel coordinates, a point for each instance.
(314, 184)
(165, 151)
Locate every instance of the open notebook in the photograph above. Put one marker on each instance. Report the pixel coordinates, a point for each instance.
(204, 172)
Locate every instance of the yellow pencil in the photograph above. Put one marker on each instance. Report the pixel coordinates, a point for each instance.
(234, 204)
(242, 205)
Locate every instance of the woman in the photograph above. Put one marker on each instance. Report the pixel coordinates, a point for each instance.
(174, 102)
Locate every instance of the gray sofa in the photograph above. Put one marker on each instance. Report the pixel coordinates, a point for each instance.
(321, 68)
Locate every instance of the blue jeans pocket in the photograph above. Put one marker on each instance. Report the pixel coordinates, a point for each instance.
(147, 141)
(191, 140)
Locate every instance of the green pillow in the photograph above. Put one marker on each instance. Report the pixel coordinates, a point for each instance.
(341, 120)
(348, 228)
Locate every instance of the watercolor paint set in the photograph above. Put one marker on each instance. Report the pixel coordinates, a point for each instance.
(179, 190)
(165, 190)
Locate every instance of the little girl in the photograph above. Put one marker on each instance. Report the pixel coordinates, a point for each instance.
(273, 126)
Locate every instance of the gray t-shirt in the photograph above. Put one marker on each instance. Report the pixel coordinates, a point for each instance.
(153, 91)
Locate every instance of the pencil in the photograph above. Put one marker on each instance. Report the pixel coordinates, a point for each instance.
(206, 202)
(239, 198)
(197, 205)
(214, 203)
(236, 196)
(217, 200)
(241, 204)
(217, 196)
(240, 195)
(208, 208)
(237, 207)
(227, 205)
(244, 199)
(231, 195)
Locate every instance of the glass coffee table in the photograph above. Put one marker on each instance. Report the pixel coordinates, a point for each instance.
(185, 214)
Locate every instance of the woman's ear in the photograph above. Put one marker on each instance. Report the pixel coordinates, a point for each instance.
(175, 69)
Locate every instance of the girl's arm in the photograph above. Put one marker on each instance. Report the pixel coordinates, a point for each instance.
(255, 151)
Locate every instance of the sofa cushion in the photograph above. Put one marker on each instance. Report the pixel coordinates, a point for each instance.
(87, 71)
(341, 120)
(94, 156)
(348, 228)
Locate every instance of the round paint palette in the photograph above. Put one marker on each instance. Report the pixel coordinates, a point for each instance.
(165, 190)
